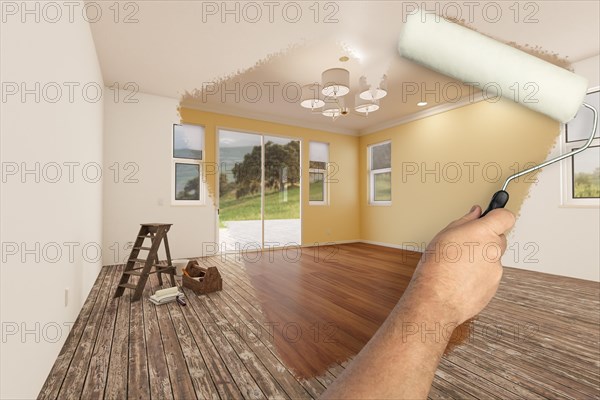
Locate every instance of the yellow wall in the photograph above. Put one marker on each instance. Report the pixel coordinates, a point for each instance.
(484, 133)
(476, 141)
(338, 221)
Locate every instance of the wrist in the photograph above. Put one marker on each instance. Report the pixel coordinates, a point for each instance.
(429, 303)
(423, 320)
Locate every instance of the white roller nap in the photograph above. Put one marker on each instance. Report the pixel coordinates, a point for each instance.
(469, 56)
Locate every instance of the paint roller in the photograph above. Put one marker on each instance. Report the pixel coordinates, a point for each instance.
(167, 295)
(475, 59)
(167, 292)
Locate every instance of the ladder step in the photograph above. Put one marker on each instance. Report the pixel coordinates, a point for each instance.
(154, 224)
(142, 267)
(136, 271)
(162, 269)
(128, 285)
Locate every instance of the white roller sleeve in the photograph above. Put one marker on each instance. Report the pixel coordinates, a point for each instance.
(469, 56)
(167, 292)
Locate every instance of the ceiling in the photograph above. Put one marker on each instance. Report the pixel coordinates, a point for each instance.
(251, 59)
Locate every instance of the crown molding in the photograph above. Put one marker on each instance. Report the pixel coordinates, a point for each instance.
(227, 110)
(442, 108)
(439, 109)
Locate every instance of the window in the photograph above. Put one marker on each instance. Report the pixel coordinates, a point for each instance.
(188, 147)
(318, 156)
(380, 173)
(581, 173)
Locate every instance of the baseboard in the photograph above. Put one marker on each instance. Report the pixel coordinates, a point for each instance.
(392, 245)
(331, 243)
(336, 242)
(274, 248)
(306, 245)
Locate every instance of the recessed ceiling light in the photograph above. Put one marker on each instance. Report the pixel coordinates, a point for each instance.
(422, 103)
(344, 58)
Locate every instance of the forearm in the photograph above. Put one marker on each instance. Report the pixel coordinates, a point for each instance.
(449, 286)
(402, 357)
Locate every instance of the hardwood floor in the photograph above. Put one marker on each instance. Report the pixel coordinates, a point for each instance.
(285, 328)
(326, 306)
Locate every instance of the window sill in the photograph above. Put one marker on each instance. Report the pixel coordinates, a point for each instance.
(589, 205)
(381, 203)
(183, 203)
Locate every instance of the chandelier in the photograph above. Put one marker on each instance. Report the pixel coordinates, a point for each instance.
(328, 97)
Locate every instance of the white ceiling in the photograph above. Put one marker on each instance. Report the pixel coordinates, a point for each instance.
(177, 47)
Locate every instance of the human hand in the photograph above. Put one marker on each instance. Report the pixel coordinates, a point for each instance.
(456, 277)
(460, 270)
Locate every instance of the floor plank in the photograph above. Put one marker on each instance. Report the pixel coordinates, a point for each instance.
(199, 374)
(539, 337)
(116, 383)
(275, 327)
(57, 375)
(240, 374)
(158, 372)
(224, 382)
(180, 379)
(95, 381)
(138, 386)
(76, 374)
(276, 368)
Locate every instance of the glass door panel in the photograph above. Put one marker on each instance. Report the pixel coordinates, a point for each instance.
(282, 191)
(240, 195)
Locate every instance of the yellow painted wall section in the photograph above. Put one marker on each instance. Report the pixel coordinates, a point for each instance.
(443, 164)
(338, 221)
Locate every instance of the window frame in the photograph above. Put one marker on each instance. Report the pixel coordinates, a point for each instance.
(187, 161)
(324, 185)
(324, 172)
(374, 172)
(568, 170)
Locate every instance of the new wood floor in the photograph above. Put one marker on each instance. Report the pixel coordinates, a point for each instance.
(538, 338)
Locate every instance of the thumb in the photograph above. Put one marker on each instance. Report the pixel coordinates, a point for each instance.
(499, 220)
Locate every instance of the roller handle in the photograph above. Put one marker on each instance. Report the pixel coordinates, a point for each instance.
(499, 200)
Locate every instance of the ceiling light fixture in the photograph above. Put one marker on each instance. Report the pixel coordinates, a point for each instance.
(334, 107)
(311, 96)
(376, 93)
(365, 106)
(422, 103)
(336, 82)
(328, 98)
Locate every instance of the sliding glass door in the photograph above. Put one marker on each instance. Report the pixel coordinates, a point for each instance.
(259, 191)
(240, 208)
(282, 191)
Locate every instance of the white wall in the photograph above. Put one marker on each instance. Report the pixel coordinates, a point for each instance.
(141, 134)
(559, 240)
(43, 210)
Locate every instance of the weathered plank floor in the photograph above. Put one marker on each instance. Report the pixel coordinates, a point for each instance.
(539, 338)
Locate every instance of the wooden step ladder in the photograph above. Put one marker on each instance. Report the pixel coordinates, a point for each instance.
(157, 233)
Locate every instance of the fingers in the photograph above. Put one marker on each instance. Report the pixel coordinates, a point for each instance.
(499, 220)
(474, 213)
(470, 216)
